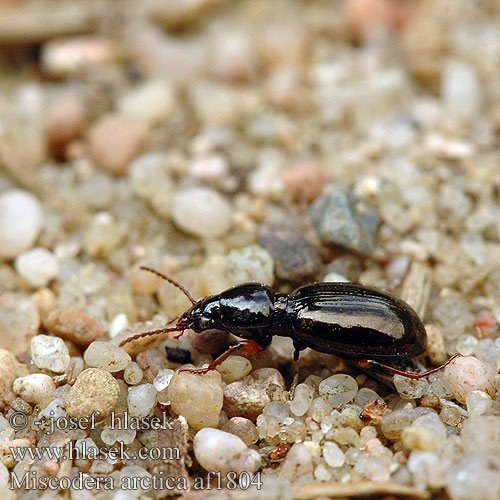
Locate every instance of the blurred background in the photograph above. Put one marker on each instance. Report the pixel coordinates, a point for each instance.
(172, 133)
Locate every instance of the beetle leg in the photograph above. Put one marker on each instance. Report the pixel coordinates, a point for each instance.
(298, 347)
(365, 363)
(247, 347)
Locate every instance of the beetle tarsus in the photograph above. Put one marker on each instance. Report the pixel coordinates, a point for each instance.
(247, 347)
(365, 363)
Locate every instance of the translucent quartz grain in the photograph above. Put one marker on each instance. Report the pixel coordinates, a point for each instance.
(333, 455)
(340, 389)
(276, 410)
(141, 399)
(133, 373)
(450, 415)
(409, 388)
(106, 356)
(302, 399)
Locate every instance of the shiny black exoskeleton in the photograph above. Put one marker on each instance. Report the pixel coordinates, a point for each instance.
(351, 321)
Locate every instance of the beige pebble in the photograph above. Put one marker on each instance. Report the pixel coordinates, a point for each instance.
(115, 140)
(34, 388)
(435, 345)
(93, 390)
(467, 373)
(74, 325)
(65, 120)
(10, 369)
(248, 397)
(106, 356)
(198, 398)
(19, 322)
(234, 368)
(243, 428)
(304, 182)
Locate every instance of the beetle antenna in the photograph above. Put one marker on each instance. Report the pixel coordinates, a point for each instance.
(415, 376)
(153, 332)
(170, 280)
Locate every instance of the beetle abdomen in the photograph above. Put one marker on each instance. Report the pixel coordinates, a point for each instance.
(355, 322)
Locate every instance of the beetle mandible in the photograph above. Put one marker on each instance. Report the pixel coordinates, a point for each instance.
(352, 321)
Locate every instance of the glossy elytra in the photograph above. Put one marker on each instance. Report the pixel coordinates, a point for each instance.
(351, 321)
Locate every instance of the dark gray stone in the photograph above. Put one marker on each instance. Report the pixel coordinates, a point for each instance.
(343, 220)
(295, 260)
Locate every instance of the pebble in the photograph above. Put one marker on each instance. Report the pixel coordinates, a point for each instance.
(304, 182)
(19, 322)
(295, 260)
(248, 397)
(49, 353)
(198, 398)
(106, 356)
(141, 399)
(65, 120)
(10, 369)
(409, 388)
(103, 234)
(461, 89)
(74, 325)
(114, 140)
(210, 341)
(152, 102)
(252, 263)
(162, 380)
(334, 277)
(70, 56)
(467, 373)
(21, 220)
(333, 455)
(302, 399)
(435, 345)
(420, 438)
(93, 390)
(202, 212)
(478, 403)
(340, 389)
(224, 452)
(298, 462)
(474, 477)
(243, 428)
(133, 373)
(34, 388)
(148, 175)
(394, 423)
(234, 368)
(481, 434)
(276, 410)
(37, 266)
(211, 168)
(342, 220)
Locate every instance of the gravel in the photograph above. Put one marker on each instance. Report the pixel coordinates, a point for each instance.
(282, 143)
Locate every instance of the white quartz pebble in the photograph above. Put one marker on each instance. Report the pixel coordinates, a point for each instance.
(20, 222)
(467, 373)
(333, 455)
(202, 212)
(141, 399)
(35, 388)
(221, 451)
(37, 266)
(106, 356)
(49, 353)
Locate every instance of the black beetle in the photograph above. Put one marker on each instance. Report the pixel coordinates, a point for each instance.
(351, 321)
